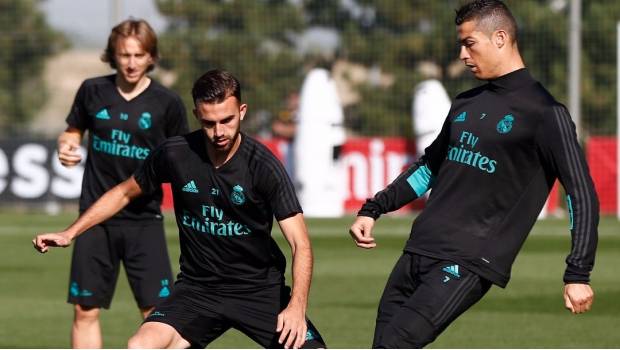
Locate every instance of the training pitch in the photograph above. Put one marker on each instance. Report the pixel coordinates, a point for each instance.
(346, 289)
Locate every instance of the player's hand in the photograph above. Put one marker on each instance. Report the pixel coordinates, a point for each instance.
(578, 297)
(361, 232)
(69, 153)
(292, 327)
(44, 241)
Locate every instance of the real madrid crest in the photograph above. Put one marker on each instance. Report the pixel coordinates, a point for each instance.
(505, 125)
(145, 121)
(237, 196)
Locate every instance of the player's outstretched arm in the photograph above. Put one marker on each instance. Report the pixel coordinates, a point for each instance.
(578, 297)
(104, 208)
(292, 320)
(361, 232)
(69, 147)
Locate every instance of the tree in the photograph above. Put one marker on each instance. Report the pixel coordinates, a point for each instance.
(25, 41)
(599, 66)
(252, 39)
(396, 36)
(256, 40)
(393, 37)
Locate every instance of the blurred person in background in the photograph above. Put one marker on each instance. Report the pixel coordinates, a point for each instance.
(319, 174)
(430, 106)
(491, 169)
(127, 115)
(284, 127)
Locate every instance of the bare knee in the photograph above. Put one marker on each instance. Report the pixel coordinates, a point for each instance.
(147, 336)
(86, 314)
(136, 342)
(156, 335)
(144, 340)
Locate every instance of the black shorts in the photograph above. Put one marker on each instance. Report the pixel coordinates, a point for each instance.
(422, 297)
(97, 254)
(200, 316)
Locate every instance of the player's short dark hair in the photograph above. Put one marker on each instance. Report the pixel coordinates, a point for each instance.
(215, 86)
(137, 28)
(489, 15)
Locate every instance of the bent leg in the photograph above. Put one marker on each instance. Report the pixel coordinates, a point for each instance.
(189, 317)
(86, 331)
(408, 330)
(94, 271)
(157, 335)
(255, 314)
(398, 289)
(147, 263)
(446, 290)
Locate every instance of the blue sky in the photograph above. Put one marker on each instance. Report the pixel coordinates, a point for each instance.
(88, 23)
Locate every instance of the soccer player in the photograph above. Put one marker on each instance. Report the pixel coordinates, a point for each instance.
(127, 115)
(501, 148)
(227, 189)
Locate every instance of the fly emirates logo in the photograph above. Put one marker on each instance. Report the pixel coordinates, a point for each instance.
(118, 145)
(465, 153)
(212, 221)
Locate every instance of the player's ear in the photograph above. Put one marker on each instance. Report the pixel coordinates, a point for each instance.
(500, 38)
(242, 110)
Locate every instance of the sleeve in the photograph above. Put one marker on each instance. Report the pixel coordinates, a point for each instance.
(78, 115)
(413, 182)
(176, 118)
(275, 184)
(565, 159)
(153, 171)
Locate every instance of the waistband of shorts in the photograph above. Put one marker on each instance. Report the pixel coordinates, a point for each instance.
(482, 271)
(227, 288)
(131, 222)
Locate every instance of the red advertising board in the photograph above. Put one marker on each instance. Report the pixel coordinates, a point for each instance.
(31, 173)
(371, 164)
(601, 152)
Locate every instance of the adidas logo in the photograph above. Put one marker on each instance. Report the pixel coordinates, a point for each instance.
(164, 292)
(461, 117)
(102, 114)
(453, 270)
(190, 187)
(75, 291)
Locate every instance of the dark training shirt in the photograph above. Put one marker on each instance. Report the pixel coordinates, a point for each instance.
(121, 135)
(224, 214)
(491, 168)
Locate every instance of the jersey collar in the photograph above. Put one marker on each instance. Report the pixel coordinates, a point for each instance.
(511, 81)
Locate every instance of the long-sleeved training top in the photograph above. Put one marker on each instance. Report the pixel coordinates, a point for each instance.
(491, 168)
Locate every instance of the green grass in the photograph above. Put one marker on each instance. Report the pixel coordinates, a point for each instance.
(346, 288)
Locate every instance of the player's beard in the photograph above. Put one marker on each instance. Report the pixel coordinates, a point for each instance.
(228, 145)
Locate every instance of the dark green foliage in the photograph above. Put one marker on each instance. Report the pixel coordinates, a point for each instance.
(599, 65)
(251, 39)
(256, 41)
(26, 40)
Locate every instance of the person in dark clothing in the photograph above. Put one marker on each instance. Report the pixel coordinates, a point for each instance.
(227, 189)
(126, 115)
(500, 149)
